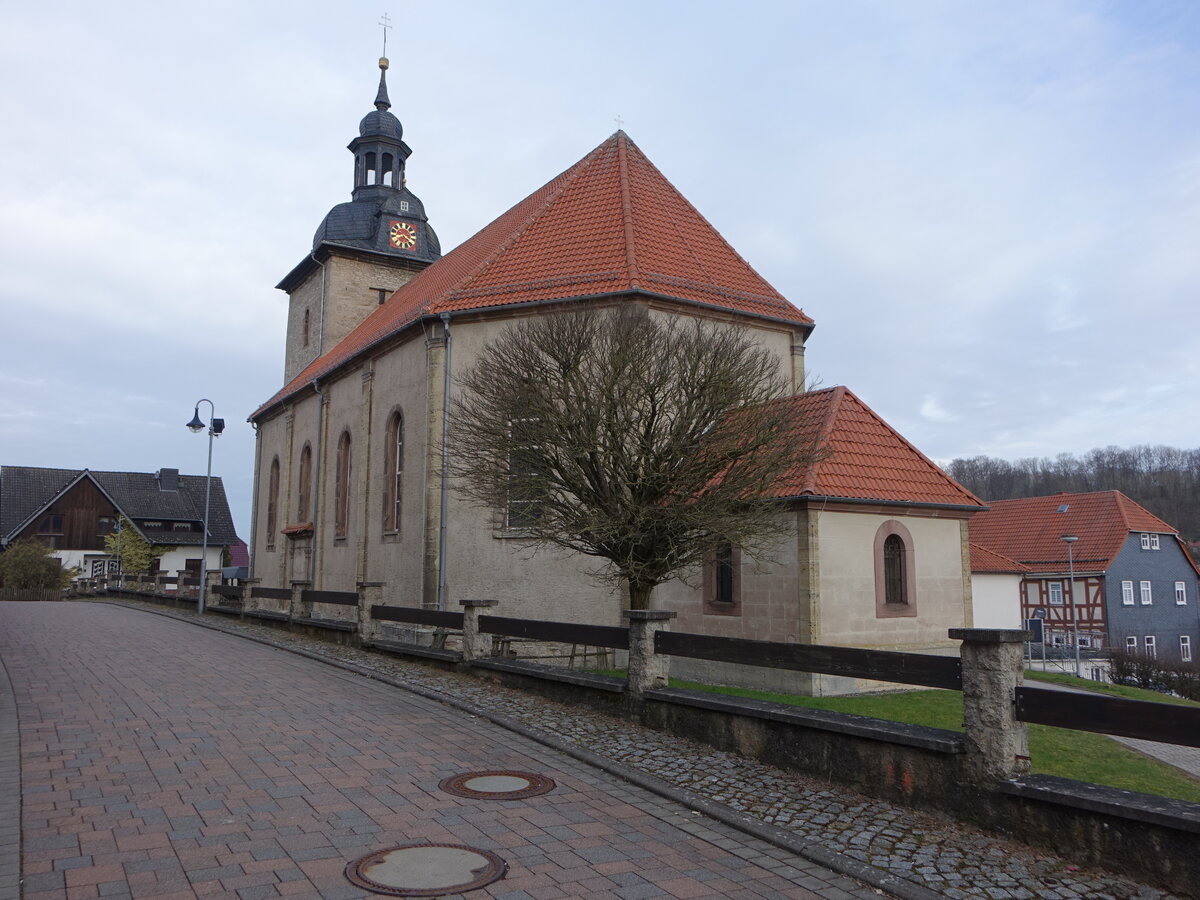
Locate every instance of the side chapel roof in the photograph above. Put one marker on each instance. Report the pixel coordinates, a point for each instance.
(1030, 529)
(611, 224)
(866, 459)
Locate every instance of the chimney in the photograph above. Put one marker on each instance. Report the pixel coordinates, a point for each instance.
(168, 479)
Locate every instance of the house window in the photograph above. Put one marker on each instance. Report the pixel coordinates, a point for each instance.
(524, 506)
(1147, 597)
(304, 491)
(152, 526)
(51, 523)
(1180, 593)
(106, 525)
(1185, 648)
(1154, 542)
(1058, 640)
(1056, 593)
(1145, 541)
(394, 460)
(722, 581)
(341, 497)
(1127, 593)
(1131, 644)
(895, 577)
(181, 526)
(1085, 640)
(1150, 644)
(273, 503)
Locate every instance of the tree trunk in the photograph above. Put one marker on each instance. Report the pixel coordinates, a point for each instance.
(639, 595)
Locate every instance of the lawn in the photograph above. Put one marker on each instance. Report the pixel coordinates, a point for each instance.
(1054, 751)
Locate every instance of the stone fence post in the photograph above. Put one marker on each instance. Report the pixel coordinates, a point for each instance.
(993, 666)
(370, 593)
(249, 602)
(297, 607)
(647, 669)
(475, 645)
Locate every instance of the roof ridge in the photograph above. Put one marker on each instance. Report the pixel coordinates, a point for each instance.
(567, 177)
(837, 393)
(633, 271)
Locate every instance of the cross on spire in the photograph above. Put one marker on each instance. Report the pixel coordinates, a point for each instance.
(385, 23)
(620, 122)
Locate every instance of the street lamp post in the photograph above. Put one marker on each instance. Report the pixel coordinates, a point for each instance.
(1070, 540)
(215, 427)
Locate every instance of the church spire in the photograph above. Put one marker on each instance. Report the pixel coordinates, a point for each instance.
(382, 103)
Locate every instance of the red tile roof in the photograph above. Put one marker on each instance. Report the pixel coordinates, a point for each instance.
(1030, 529)
(611, 224)
(988, 562)
(867, 459)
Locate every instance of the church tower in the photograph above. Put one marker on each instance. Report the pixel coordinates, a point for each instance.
(363, 250)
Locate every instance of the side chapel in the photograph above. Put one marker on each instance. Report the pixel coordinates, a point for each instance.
(350, 452)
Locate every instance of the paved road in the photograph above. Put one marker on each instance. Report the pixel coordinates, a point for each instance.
(163, 760)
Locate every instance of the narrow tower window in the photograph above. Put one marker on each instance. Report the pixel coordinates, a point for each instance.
(394, 494)
(304, 494)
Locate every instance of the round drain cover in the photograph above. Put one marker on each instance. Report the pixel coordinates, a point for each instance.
(502, 785)
(426, 870)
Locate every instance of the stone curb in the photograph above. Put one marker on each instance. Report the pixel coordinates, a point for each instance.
(890, 884)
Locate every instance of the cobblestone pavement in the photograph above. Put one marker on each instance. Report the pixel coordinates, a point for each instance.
(929, 853)
(163, 760)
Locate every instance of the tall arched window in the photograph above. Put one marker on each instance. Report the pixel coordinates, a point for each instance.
(304, 492)
(895, 576)
(394, 460)
(341, 500)
(273, 504)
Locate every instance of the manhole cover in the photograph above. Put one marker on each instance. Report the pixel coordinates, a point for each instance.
(497, 785)
(426, 870)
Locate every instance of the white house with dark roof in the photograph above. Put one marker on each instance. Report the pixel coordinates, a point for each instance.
(72, 510)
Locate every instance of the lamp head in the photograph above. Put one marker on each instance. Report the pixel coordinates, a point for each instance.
(218, 425)
(196, 425)
(1069, 538)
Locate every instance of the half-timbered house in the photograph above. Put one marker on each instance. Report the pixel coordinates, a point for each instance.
(1125, 580)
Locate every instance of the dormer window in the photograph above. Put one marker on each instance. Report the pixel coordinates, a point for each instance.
(181, 526)
(1150, 541)
(153, 526)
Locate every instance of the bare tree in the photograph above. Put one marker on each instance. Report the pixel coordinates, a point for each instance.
(645, 441)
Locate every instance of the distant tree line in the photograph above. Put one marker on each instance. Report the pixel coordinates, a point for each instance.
(1165, 480)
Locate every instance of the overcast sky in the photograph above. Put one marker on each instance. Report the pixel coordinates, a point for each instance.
(991, 210)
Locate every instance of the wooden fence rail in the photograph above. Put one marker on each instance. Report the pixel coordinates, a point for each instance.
(562, 632)
(878, 665)
(412, 615)
(1142, 719)
(271, 593)
(337, 598)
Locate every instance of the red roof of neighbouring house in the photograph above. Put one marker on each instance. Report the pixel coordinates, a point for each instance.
(988, 562)
(1030, 529)
(610, 225)
(866, 458)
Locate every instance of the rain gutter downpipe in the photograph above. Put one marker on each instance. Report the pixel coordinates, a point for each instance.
(445, 485)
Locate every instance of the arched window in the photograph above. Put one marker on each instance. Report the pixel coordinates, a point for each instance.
(393, 495)
(306, 323)
(341, 500)
(304, 492)
(893, 570)
(273, 504)
(722, 582)
(895, 576)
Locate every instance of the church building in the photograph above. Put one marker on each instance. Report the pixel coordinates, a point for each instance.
(352, 449)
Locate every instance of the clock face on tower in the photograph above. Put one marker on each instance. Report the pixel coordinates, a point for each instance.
(402, 235)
